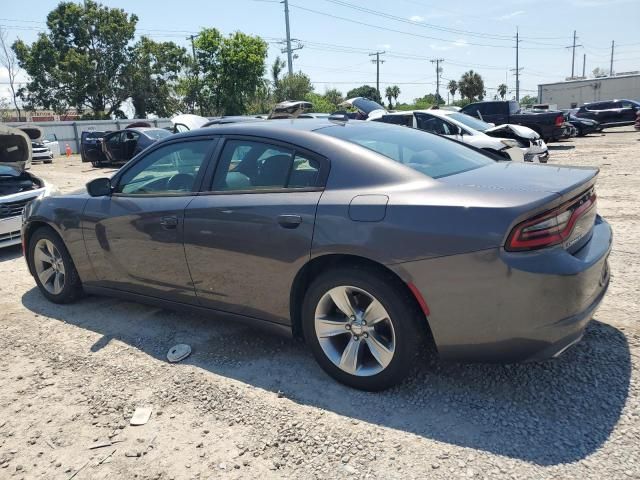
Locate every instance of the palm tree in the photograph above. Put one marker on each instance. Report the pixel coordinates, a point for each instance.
(395, 92)
(389, 95)
(471, 85)
(276, 69)
(453, 88)
(502, 90)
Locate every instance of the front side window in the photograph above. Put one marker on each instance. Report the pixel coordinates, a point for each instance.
(250, 165)
(428, 154)
(170, 169)
(470, 122)
(114, 139)
(432, 124)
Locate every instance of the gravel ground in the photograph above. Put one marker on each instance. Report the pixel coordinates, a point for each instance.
(249, 405)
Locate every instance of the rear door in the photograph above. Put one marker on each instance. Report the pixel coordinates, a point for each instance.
(248, 236)
(628, 111)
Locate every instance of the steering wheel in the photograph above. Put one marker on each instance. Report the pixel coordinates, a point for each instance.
(180, 181)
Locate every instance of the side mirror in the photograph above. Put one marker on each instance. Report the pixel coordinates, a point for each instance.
(99, 187)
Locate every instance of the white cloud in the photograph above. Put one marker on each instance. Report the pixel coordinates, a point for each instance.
(416, 18)
(460, 43)
(511, 15)
(384, 46)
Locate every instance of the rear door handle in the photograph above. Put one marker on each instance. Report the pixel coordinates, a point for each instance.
(289, 221)
(169, 223)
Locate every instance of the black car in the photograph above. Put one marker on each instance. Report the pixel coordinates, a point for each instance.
(547, 123)
(123, 145)
(584, 126)
(612, 113)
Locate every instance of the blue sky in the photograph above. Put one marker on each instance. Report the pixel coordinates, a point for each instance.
(338, 37)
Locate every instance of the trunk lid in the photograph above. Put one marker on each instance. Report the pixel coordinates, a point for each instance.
(509, 176)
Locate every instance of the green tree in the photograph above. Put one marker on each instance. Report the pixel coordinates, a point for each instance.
(81, 61)
(153, 74)
(471, 85)
(231, 70)
(453, 88)
(320, 103)
(334, 97)
(502, 90)
(528, 100)
(365, 91)
(293, 87)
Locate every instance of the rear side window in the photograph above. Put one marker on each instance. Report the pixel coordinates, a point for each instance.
(249, 165)
(428, 154)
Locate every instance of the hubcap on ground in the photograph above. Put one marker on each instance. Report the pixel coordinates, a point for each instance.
(355, 331)
(49, 266)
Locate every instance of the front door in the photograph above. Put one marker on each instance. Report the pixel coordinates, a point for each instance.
(248, 237)
(134, 237)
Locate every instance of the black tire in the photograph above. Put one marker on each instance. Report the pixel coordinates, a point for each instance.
(96, 164)
(403, 313)
(72, 288)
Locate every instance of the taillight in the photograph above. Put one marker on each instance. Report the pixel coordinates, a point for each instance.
(552, 227)
(559, 120)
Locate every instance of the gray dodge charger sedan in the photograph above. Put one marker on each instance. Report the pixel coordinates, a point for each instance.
(369, 241)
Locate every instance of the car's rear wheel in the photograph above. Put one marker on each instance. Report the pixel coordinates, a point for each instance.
(362, 327)
(52, 267)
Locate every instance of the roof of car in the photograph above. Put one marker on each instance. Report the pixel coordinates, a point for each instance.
(279, 125)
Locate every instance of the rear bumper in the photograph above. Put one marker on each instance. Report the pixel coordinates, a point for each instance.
(497, 306)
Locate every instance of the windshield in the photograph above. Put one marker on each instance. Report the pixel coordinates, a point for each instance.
(157, 134)
(470, 121)
(426, 153)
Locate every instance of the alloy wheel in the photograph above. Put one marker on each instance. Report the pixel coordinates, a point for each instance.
(355, 331)
(49, 266)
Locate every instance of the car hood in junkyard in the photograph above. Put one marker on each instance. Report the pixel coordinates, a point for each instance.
(189, 120)
(365, 106)
(519, 130)
(15, 148)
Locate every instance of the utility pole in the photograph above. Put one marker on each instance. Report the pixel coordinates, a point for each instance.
(437, 61)
(377, 61)
(195, 67)
(289, 51)
(584, 63)
(613, 43)
(573, 54)
(517, 69)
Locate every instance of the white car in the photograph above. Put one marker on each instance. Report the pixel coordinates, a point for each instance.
(41, 152)
(512, 142)
(529, 141)
(17, 186)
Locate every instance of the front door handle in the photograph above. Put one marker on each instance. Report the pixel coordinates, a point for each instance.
(289, 221)
(169, 222)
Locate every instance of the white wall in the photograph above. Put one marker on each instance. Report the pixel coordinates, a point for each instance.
(592, 90)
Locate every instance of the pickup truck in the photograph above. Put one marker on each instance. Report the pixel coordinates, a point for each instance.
(547, 124)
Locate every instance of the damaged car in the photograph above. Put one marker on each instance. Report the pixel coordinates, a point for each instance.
(17, 186)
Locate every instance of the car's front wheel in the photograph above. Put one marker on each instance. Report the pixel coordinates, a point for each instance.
(52, 267)
(362, 327)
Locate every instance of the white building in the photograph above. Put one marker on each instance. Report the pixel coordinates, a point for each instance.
(575, 93)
